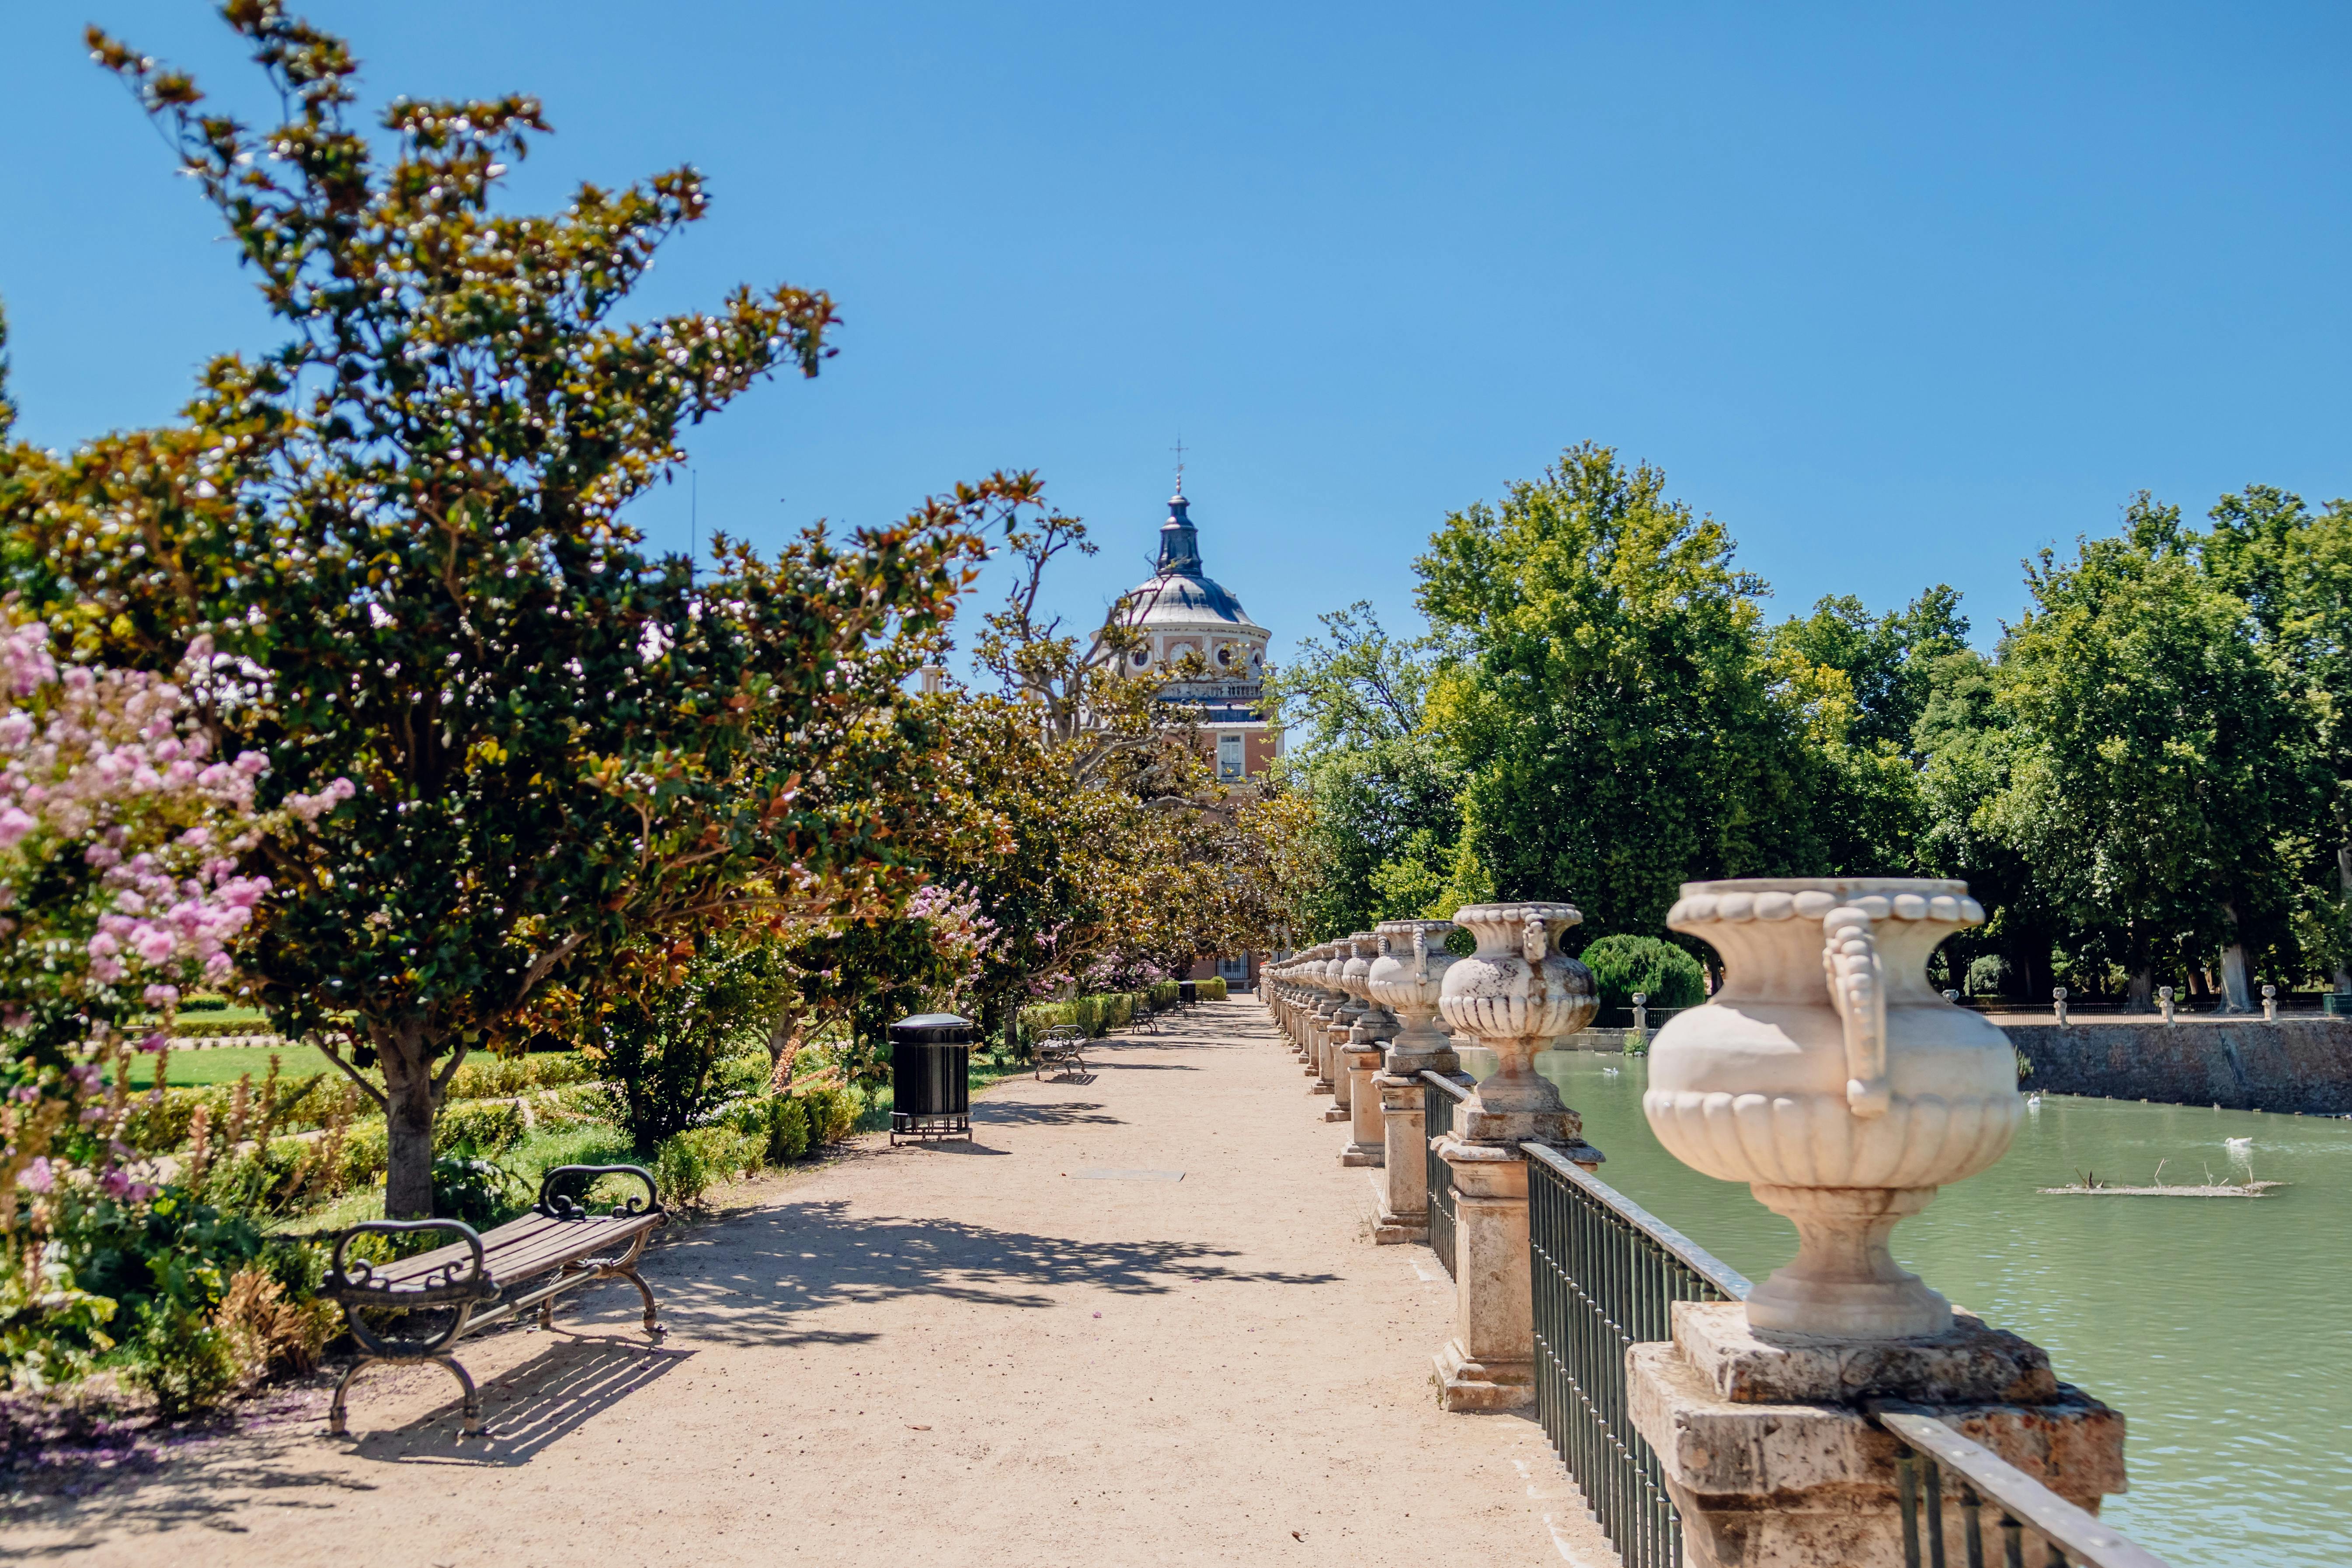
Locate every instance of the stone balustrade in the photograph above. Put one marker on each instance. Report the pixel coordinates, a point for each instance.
(1370, 1012)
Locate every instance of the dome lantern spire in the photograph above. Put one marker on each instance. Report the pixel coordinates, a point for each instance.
(1180, 543)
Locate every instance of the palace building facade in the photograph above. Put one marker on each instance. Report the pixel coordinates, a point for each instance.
(1182, 610)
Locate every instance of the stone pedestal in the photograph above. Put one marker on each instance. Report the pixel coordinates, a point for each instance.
(1368, 1140)
(1844, 1280)
(1767, 1453)
(1401, 1191)
(1489, 1364)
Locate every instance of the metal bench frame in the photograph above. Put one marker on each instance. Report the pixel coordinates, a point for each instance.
(464, 1280)
(1062, 1046)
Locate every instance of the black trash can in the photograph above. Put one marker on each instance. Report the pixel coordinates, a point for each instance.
(1188, 991)
(930, 1082)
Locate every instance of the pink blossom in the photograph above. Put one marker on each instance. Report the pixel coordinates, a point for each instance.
(38, 1176)
(14, 823)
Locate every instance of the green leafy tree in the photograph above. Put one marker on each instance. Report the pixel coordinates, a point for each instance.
(1384, 792)
(1888, 659)
(2291, 567)
(559, 743)
(2157, 770)
(1606, 684)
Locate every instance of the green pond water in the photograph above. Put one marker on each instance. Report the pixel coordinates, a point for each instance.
(2218, 1326)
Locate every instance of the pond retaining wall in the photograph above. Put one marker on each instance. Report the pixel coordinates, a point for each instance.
(2240, 1064)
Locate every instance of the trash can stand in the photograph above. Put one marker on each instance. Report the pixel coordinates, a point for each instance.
(930, 1081)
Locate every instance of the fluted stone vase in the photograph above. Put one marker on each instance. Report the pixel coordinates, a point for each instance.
(1408, 979)
(1829, 1076)
(1514, 995)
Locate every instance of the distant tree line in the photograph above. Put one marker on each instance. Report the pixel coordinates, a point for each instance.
(2148, 780)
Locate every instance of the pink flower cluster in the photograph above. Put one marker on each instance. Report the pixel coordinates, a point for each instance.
(112, 805)
(964, 935)
(103, 764)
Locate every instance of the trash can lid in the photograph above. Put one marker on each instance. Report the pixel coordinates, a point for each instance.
(932, 1029)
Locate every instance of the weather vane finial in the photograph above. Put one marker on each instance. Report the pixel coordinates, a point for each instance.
(1180, 464)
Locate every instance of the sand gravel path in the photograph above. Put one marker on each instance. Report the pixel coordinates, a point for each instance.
(936, 1356)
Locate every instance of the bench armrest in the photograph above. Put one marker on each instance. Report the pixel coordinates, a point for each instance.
(359, 1276)
(556, 1205)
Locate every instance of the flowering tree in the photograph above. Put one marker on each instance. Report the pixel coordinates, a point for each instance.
(405, 524)
(119, 840)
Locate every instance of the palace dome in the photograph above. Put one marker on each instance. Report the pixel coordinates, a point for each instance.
(1180, 592)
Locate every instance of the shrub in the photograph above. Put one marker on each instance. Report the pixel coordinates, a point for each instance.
(1621, 965)
(788, 1127)
(159, 1124)
(833, 1110)
(488, 1129)
(470, 1188)
(503, 1078)
(689, 1163)
(1164, 994)
(1211, 989)
(366, 1151)
(180, 1357)
(1988, 975)
(271, 1330)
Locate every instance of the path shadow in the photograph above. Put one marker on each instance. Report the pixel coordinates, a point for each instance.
(573, 1378)
(757, 1278)
(1058, 1113)
(183, 1491)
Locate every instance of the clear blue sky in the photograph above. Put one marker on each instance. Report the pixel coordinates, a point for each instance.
(1899, 294)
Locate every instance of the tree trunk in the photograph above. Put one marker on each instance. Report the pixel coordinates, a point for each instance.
(2344, 884)
(783, 1045)
(2237, 993)
(2139, 990)
(405, 1051)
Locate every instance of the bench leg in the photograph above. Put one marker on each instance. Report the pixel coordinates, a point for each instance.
(338, 1419)
(473, 1427)
(653, 1317)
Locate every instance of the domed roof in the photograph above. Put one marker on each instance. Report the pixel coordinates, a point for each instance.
(1181, 593)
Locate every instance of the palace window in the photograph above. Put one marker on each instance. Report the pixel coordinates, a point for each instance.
(1229, 756)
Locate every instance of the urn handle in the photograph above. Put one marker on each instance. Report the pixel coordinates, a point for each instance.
(1419, 956)
(1535, 941)
(1858, 992)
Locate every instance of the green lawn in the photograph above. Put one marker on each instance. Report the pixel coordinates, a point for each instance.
(226, 1063)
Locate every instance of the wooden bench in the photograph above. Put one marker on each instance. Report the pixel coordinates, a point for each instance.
(488, 1276)
(1061, 1047)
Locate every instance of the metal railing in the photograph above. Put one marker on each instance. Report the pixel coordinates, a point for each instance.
(1606, 1274)
(2022, 1503)
(1439, 1096)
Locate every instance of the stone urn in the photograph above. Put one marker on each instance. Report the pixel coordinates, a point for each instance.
(1408, 979)
(1831, 1078)
(1324, 999)
(1351, 966)
(1514, 995)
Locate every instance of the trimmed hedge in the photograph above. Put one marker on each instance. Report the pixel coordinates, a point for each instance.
(1097, 1016)
(1100, 1014)
(1621, 965)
